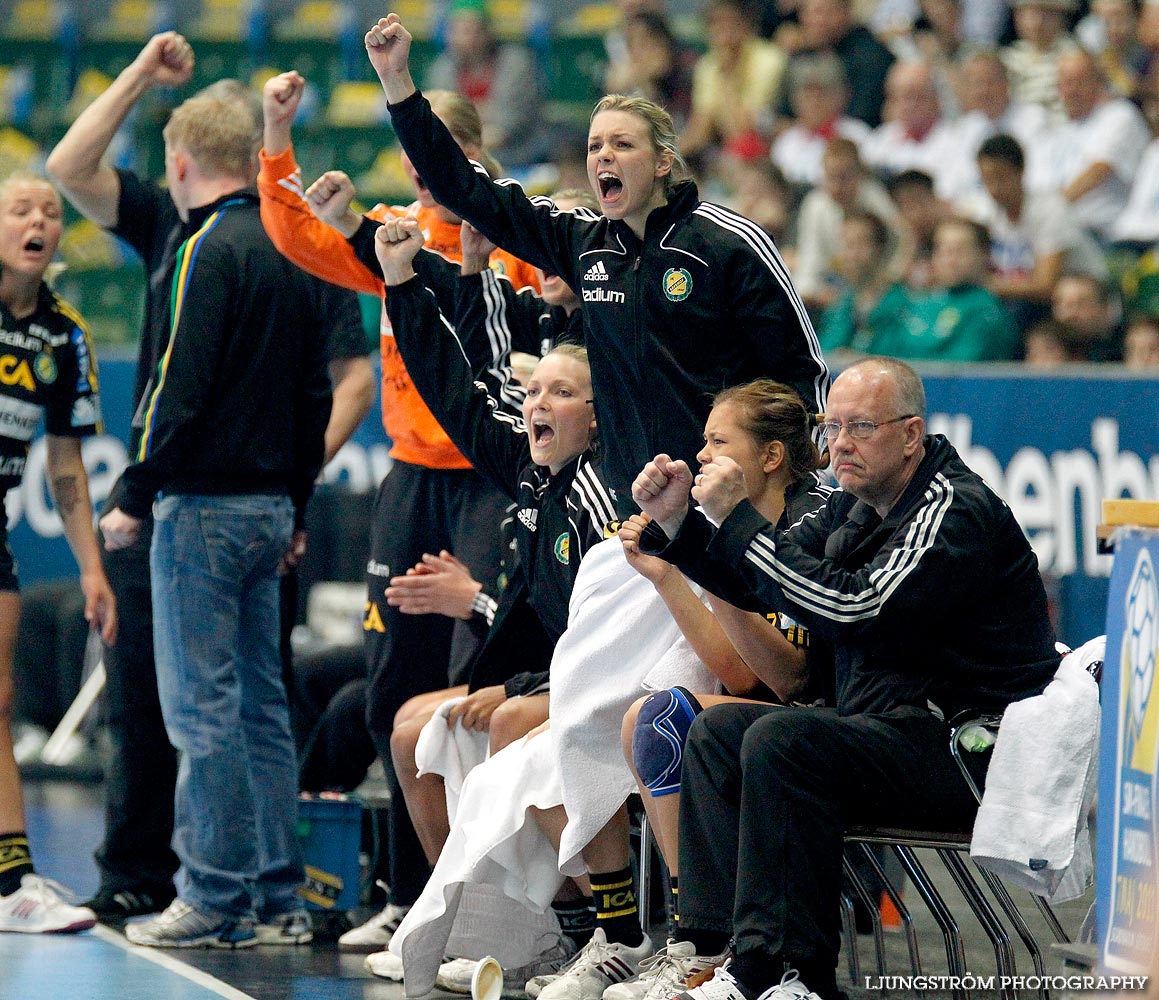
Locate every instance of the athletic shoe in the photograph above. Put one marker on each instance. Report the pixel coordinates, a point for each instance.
(534, 986)
(185, 926)
(385, 965)
(598, 965)
(375, 934)
(286, 928)
(722, 986)
(115, 906)
(39, 907)
(664, 974)
(455, 975)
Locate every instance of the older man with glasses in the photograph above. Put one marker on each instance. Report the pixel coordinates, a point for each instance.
(930, 593)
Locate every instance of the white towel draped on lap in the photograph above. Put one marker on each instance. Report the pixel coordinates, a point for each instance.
(1031, 828)
(491, 891)
(451, 753)
(621, 641)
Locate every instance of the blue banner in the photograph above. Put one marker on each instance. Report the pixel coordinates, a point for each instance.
(1127, 876)
(1051, 445)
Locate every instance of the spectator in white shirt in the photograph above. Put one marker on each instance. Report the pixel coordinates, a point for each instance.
(818, 93)
(914, 136)
(1091, 158)
(1034, 237)
(987, 110)
(1137, 228)
(845, 187)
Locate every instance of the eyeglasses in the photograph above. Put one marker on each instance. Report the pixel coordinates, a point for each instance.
(859, 430)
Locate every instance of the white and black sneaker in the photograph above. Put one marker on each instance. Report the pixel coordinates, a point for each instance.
(664, 974)
(598, 965)
(375, 934)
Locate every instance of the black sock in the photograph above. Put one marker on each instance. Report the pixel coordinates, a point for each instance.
(616, 910)
(15, 861)
(674, 901)
(577, 919)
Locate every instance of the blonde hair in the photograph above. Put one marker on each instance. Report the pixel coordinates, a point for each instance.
(463, 122)
(218, 132)
(28, 177)
(574, 351)
(769, 411)
(661, 131)
(581, 196)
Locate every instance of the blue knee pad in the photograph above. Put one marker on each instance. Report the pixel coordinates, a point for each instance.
(658, 740)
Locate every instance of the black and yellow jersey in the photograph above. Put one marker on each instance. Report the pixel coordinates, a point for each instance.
(47, 368)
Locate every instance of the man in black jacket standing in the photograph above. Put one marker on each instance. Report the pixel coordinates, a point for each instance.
(927, 588)
(232, 440)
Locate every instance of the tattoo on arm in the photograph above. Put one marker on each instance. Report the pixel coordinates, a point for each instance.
(66, 494)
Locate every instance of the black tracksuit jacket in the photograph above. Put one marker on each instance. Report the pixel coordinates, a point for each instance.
(702, 303)
(940, 603)
(557, 517)
(243, 393)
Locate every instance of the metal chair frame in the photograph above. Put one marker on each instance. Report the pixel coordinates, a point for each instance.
(949, 848)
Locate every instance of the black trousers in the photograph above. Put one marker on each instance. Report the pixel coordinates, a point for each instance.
(767, 793)
(141, 770)
(421, 510)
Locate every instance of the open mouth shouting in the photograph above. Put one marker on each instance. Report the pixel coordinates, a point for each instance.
(611, 187)
(542, 433)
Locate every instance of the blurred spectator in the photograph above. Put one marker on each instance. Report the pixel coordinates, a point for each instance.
(1111, 31)
(830, 26)
(1047, 345)
(988, 110)
(983, 21)
(1087, 310)
(1034, 236)
(914, 136)
(845, 188)
(658, 66)
(778, 20)
(1092, 156)
(616, 40)
(760, 192)
(1137, 227)
(819, 95)
(501, 80)
(871, 300)
(1141, 344)
(736, 85)
(937, 39)
(1032, 60)
(919, 210)
(959, 319)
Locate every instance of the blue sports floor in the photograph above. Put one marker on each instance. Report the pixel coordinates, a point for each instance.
(65, 822)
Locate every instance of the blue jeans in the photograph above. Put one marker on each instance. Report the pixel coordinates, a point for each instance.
(219, 675)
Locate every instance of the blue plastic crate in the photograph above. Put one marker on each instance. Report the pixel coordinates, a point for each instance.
(331, 831)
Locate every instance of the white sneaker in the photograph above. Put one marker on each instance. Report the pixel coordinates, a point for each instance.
(290, 928)
(38, 907)
(375, 934)
(385, 965)
(662, 976)
(455, 975)
(598, 965)
(722, 986)
(790, 986)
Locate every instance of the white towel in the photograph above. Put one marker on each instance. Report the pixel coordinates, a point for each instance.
(450, 752)
(1031, 828)
(491, 891)
(621, 641)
